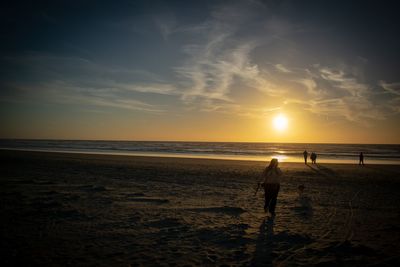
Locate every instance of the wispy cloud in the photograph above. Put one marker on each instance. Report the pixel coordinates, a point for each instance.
(61, 93)
(211, 71)
(392, 88)
(346, 81)
(282, 68)
(75, 80)
(223, 58)
(167, 24)
(355, 100)
(394, 105)
(339, 93)
(310, 84)
(234, 51)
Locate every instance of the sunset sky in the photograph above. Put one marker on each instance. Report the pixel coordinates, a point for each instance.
(201, 70)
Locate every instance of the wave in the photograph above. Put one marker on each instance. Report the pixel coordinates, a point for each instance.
(260, 150)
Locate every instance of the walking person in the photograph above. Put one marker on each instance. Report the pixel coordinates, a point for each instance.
(313, 158)
(271, 184)
(361, 159)
(305, 154)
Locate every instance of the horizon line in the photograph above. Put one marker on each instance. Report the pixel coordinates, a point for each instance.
(194, 141)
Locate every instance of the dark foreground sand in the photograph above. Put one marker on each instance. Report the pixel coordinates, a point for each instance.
(92, 210)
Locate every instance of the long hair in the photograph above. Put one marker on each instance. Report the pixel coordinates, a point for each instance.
(272, 165)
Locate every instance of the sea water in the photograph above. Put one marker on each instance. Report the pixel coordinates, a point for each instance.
(285, 152)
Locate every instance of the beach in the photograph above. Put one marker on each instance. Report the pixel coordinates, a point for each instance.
(66, 209)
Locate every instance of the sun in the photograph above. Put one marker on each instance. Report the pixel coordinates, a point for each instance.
(280, 122)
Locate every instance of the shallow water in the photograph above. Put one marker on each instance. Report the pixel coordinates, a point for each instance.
(285, 152)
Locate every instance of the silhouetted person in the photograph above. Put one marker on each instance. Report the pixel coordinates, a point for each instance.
(271, 184)
(305, 154)
(361, 162)
(313, 158)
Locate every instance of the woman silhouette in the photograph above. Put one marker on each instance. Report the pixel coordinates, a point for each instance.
(271, 184)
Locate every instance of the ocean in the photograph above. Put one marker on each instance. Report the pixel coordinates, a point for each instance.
(285, 152)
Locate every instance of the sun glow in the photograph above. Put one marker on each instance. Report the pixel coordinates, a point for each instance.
(280, 122)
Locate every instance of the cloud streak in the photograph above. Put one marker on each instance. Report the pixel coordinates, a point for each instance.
(235, 51)
(392, 88)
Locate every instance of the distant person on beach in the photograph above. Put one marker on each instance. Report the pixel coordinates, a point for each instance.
(361, 159)
(271, 184)
(305, 154)
(313, 158)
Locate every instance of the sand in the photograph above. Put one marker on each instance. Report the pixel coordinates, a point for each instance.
(93, 210)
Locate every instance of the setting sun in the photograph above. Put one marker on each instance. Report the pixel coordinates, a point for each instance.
(280, 122)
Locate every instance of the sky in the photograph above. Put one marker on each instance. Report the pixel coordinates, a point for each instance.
(200, 70)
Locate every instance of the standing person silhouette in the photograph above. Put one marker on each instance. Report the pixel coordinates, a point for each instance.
(271, 184)
(313, 158)
(305, 154)
(361, 157)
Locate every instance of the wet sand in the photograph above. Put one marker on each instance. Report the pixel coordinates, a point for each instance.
(100, 210)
